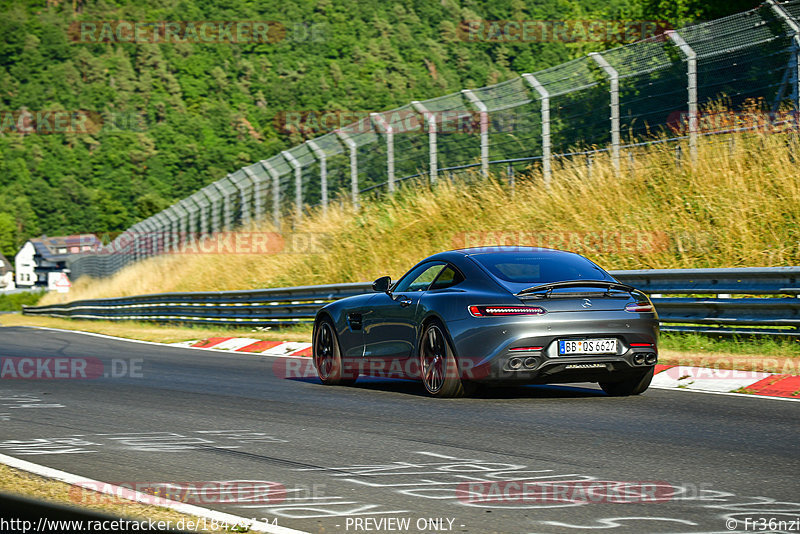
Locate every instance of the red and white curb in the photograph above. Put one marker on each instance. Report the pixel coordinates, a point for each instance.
(244, 344)
(703, 379)
(727, 381)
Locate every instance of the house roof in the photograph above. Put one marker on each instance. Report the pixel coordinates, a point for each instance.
(59, 248)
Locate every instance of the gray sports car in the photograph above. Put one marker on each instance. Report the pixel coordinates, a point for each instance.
(493, 315)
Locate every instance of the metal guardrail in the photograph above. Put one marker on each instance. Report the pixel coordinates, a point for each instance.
(778, 315)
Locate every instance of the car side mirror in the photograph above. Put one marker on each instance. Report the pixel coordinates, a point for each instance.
(382, 284)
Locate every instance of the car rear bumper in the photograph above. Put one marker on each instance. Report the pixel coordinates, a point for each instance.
(487, 354)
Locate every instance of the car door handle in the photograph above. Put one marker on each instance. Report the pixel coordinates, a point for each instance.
(404, 301)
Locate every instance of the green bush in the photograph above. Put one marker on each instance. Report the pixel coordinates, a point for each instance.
(15, 301)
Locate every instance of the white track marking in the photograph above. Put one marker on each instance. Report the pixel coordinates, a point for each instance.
(741, 395)
(110, 489)
(106, 336)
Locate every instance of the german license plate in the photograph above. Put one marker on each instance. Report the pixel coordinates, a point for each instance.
(587, 346)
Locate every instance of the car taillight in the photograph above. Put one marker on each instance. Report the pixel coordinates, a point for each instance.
(639, 307)
(492, 311)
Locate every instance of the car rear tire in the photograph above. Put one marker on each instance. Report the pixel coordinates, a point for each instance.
(632, 386)
(438, 368)
(327, 356)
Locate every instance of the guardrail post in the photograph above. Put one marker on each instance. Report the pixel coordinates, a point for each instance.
(691, 87)
(323, 173)
(298, 184)
(544, 96)
(430, 120)
(276, 194)
(351, 145)
(613, 78)
(484, 114)
(792, 23)
(377, 119)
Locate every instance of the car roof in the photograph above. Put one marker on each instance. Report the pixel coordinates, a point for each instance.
(508, 250)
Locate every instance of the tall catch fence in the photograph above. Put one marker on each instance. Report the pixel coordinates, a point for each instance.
(658, 90)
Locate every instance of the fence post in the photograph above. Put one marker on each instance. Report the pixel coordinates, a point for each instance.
(202, 217)
(183, 226)
(792, 23)
(138, 250)
(691, 87)
(155, 244)
(430, 120)
(170, 235)
(323, 173)
(351, 145)
(545, 98)
(276, 194)
(258, 202)
(244, 217)
(227, 218)
(146, 241)
(613, 78)
(378, 120)
(298, 184)
(213, 207)
(484, 111)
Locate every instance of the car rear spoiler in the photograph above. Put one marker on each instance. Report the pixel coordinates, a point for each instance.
(549, 287)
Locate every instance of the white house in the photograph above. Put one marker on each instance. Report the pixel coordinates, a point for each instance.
(6, 274)
(43, 255)
(25, 265)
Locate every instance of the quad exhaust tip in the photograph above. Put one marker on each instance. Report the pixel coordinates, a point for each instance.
(648, 358)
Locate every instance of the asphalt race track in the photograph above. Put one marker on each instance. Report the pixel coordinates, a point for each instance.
(369, 457)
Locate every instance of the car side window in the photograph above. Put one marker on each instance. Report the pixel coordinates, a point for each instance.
(420, 278)
(448, 277)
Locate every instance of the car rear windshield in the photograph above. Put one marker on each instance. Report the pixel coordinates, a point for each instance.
(532, 268)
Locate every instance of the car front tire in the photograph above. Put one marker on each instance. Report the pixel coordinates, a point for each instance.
(328, 356)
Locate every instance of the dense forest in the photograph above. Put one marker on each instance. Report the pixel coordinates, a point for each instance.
(167, 118)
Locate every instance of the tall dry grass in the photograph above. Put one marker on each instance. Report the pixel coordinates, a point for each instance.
(738, 205)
